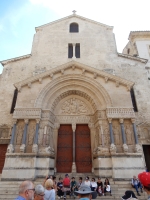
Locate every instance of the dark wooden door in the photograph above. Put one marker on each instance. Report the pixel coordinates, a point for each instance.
(65, 149)
(3, 149)
(83, 156)
(146, 149)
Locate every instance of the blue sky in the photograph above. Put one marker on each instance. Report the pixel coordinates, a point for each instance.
(18, 19)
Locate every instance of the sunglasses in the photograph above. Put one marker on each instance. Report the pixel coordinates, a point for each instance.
(42, 195)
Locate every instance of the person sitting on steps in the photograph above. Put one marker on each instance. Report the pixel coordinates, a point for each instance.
(107, 187)
(136, 184)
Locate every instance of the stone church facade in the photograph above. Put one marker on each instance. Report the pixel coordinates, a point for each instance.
(67, 106)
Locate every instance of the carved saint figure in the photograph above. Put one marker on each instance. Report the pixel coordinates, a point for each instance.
(128, 135)
(106, 137)
(40, 136)
(116, 135)
(19, 134)
(4, 133)
(96, 140)
(31, 134)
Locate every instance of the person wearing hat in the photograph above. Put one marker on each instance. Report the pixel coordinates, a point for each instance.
(85, 193)
(144, 178)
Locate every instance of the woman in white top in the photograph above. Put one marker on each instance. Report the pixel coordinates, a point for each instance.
(93, 185)
(87, 182)
(49, 191)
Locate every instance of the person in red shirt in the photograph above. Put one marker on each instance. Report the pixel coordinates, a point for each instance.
(66, 185)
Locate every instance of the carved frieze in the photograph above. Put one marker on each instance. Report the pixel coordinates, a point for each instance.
(120, 113)
(74, 106)
(27, 113)
(73, 119)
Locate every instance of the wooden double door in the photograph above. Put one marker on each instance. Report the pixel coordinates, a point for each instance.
(83, 158)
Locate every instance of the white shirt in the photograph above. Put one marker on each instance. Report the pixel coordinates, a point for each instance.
(87, 183)
(93, 184)
(49, 194)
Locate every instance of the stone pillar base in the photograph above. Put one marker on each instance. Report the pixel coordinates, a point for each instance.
(10, 148)
(125, 148)
(35, 148)
(112, 148)
(138, 148)
(22, 148)
(74, 170)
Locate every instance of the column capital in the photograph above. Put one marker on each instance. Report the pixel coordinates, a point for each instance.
(56, 126)
(73, 127)
(26, 121)
(14, 121)
(90, 125)
(37, 121)
(133, 120)
(121, 120)
(110, 120)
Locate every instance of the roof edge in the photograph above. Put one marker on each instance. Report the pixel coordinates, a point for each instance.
(143, 60)
(74, 15)
(4, 62)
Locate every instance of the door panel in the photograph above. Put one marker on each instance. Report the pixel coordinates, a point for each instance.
(3, 149)
(146, 149)
(83, 149)
(65, 149)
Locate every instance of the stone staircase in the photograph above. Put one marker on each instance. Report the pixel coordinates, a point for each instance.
(9, 190)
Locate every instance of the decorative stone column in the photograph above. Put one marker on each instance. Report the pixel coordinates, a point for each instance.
(125, 147)
(10, 148)
(35, 143)
(74, 50)
(22, 147)
(138, 147)
(44, 135)
(92, 133)
(74, 164)
(55, 130)
(112, 145)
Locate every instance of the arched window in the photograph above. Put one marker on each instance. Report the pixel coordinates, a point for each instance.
(74, 28)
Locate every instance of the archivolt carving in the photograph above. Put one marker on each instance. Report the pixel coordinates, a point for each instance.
(72, 80)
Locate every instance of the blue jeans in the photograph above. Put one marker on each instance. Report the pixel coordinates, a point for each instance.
(138, 186)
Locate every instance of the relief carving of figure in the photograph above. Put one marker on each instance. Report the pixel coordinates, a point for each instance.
(96, 140)
(40, 136)
(116, 135)
(128, 135)
(31, 134)
(106, 136)
(74, 106)
(4, 132)
(19, 134)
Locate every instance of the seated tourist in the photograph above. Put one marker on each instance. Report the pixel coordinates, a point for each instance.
(129, 195)
(87, 182)
(60, 193)
(93, 185)
(100, 189)
(73, 186)
(80, 183)
(107, 187)
(136, 184)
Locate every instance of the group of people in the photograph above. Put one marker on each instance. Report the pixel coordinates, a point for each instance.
(72, 186)
(84, 189)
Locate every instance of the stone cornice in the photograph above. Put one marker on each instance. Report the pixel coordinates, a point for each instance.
(122, 113)
(137, 34)
(74, 16)
(84, 69)
(142, 60)
(27, 113)
(4, 62)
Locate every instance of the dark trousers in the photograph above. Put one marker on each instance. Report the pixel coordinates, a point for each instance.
(138, 186)
(60, 193)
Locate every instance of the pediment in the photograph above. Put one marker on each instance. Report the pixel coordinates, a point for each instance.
(74, 67)
(74, 16)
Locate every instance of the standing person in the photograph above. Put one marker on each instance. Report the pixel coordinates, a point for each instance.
(144, 178)
(49, 191)
(26, 191)
(73, 187)
(100, 189)
(87, 182)
(107, 187)
(39, 192)
(136, 184)
(59, 188)
(93, 185)
(66, 185)
(80, 183)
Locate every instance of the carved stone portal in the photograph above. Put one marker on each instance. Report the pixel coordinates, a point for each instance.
(74, 106)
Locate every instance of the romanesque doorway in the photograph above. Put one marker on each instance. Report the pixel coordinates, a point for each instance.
(146, 150)
(83, 149)
(64, 149)
(3, 149)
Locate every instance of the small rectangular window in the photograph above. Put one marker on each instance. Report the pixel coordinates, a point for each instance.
(77, 50)
(133, 100)
(70, 50)
(14, 101)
